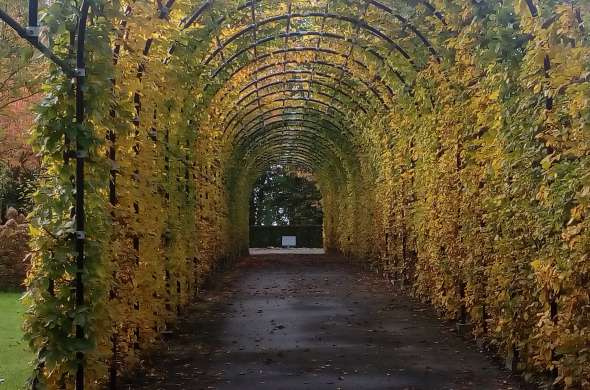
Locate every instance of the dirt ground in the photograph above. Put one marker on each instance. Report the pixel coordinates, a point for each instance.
(313, 322)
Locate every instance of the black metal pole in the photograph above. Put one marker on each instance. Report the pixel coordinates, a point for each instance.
(81, 154)
(33, 11)
(33, 27)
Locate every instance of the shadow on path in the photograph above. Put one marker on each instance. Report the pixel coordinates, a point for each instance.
(313, 322)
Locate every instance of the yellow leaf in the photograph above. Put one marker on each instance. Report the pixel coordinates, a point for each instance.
(546, 162)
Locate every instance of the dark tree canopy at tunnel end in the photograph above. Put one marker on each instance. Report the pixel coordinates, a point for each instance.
(285, 197)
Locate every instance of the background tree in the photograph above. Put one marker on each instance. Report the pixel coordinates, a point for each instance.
(20, 66)
(284, 197)
(21, 70)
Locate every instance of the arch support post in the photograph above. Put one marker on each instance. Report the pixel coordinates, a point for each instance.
(31, 35)
(81, 155)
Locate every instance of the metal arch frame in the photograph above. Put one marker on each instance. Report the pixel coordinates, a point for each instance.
(300, 153)
(294, 139)
(355, 21)
(303, 81)
(321, 82)
(380, 6)
(297, 72)
(297, 122)
(301, 150)
(271, 38)
(283, 100)
(268, 143)
(320, 93)
(189, 20)
(283, 126)
(328, 64)
(313, 14)
(290, 99)
(256, 120)
(341, 105)
(297, 161)
(359, 23)
(278, 152)
(260, 120)
(325, 51)
(289, 133)
(260, 125)
(329, 52)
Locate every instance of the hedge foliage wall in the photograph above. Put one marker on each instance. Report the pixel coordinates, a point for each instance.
(475, 195)
(458, 170)
(157, 210)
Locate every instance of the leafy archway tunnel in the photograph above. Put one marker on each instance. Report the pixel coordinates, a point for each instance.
(449, 140)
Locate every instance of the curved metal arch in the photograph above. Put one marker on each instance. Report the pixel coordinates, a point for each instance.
(327, 52)
(341, 104)
(325, 124)
(354, 21)
(271, 38)
(313, 160)
(293, 150)
(281, 126)
(296, 137)
(324, 75)
(404, 21)
(351, 76)
(263, 164)
(331, 65)
(279, 152)
(288, 99)
(284, 73)
(294, 80)
(303, 81)
(359, 23)
(325, 157)
(375, 3)
(306, 133)
(266, 142)
(259, 119)
(287, 122)
(290, 130)
(189, 20)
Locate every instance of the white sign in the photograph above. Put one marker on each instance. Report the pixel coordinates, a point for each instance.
(289, 241)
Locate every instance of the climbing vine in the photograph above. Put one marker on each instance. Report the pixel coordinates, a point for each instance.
(484, 209)
(449, 140)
